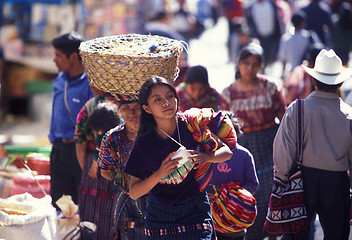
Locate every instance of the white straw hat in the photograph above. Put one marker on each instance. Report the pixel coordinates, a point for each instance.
(328, 68)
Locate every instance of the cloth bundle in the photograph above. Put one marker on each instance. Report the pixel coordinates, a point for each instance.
(201, 123)
(233, 208)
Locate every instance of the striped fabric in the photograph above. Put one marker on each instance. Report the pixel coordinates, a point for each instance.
(113, 155)
(201, 123)
(179, 174)
(180, 229)
(187, 219)
(234, 208)
(260, 144)
(95, 196)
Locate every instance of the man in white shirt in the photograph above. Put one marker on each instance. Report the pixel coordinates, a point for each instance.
(295, 44)
(264, 24)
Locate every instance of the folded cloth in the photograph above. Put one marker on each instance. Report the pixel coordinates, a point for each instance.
(201, 123)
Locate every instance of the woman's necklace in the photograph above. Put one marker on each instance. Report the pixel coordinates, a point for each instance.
(131, 135)
(178, 131)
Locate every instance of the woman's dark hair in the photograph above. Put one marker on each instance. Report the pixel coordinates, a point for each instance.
(68, 43)
(147, 121)
(252, 49)
(104, 117)
(237, 124)
(327, 88)
(197, 74)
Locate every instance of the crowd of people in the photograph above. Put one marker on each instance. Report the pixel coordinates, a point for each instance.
(116, 157)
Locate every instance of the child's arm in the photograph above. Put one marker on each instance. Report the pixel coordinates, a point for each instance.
(140, 187)
(222, 154)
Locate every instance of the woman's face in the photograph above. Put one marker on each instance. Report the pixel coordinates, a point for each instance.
(162, 102)
(249, 67)
(196, 90)
(130, 112)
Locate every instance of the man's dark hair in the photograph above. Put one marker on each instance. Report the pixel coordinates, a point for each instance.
(327, 88)
(68, 43)
(197, 74)
(298, 18)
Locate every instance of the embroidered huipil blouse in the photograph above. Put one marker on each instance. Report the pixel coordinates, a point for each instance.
(256, 107)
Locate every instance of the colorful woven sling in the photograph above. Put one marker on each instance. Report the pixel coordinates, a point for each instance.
(233, 208)
(201, 123)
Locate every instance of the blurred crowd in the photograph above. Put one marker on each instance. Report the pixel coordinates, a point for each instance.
(290, 32)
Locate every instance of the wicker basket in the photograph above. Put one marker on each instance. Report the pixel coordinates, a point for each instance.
(120, 64)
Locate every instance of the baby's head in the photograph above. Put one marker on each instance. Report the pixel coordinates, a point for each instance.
(104, 117)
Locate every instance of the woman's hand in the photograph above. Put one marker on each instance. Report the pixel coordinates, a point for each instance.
(93, 171)
(168, 165)
(222, 153)
(199, 158)
(140, 187)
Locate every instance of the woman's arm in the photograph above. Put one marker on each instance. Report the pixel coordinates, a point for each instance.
(140, 187)
(223, 153)
(81, 153)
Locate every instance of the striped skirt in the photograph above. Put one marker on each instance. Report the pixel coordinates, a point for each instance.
(129, 216)
(260, 144)
(96, 201)
(189, 219)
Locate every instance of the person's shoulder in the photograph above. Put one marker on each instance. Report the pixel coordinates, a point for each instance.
(115, 132)
(346, 109)
(149, 136)
(212, 91)
(181, 88)
(242, 150)
(269, 81)
(286, 37)
(93, 101)
(84, 78)
(61, 75)
(229, 87)
(291, 108)
(60, 78)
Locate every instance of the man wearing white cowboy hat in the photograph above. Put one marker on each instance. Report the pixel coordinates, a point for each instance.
(327, 147)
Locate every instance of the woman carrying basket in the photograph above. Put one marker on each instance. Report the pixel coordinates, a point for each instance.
(174, 211)
(115, 149)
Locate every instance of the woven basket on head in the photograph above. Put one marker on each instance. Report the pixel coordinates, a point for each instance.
(120, 64)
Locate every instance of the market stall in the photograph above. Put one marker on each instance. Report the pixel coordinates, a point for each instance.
(27, 28)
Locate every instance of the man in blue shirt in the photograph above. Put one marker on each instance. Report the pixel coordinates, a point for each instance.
(71, 92)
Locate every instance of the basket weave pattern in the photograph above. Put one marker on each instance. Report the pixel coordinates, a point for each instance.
(120, 64)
